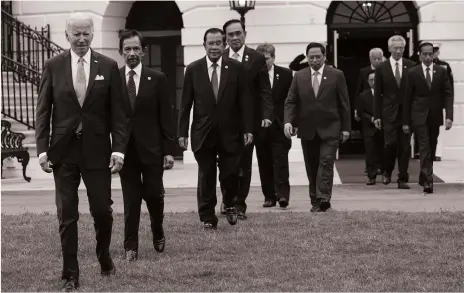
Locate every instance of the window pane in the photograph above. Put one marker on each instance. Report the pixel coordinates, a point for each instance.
(155, 55)
(179, 55)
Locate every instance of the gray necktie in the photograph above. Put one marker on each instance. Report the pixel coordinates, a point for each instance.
(397, 74)
(80, 86)
(236, 56)
(215, 81)
(428, 78)
(316, 83)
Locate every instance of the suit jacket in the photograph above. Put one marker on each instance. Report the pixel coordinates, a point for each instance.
(388, 99)
(365, 108)
(231, 114)
(362, 80)
(151, 124)
(422, 102)
(328, 114)
(102, 113)
(280, 86)
(257, 77)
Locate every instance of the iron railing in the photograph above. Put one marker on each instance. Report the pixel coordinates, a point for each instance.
(19, 91)
(25, 45)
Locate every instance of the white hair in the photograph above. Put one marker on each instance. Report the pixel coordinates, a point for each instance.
(375, 50)
(396, 38)
(78, 16)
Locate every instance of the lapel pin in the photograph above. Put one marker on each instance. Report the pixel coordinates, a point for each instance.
(95, 61)
(246, 57)
(149, 78)
(277, 76)
(325, 77)
(434, 71)
(226, 67)
(405, 66)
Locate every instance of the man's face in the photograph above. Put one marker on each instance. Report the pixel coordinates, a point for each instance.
(436, 53)
(427, 55)
(269, 60)
(315, 58)
(376, 58)
(80, 35)
(214, 46)
(371, 80)
(132, 51)
(396, 49)
(235, 36)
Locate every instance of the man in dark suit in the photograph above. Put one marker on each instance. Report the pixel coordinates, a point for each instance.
(373, 137)
(429, 89)
(80, 94)
(390, 92)
(151, 136)
(272, 152)
(257, 79)
(221, 126)
(318, 110)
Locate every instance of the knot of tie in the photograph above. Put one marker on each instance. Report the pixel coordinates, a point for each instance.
(215, 65)
(427, 69)
(235, 55)
(397, 64)
(131, 73)
(81, 60)
(316, 73)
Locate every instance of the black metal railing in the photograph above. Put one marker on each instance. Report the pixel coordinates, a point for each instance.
(19, 91)
(23, 44)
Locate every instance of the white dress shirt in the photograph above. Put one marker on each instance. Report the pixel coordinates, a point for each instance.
(400, 66)
(75, 62)
(271, 76)
(137, 75)
(209, 64)
(319, 76)
(239, 52)
(424, 69)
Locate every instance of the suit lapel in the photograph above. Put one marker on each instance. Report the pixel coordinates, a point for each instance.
(223, 79)
(434, 76)
(325, 75)
(143, 88)
(307, 74)
(275, 83)
(93, 73)
(125, 94)
(207, 81)
(68, 76)
(246, 58)
(391, 73)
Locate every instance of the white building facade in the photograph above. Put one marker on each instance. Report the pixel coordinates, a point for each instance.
(288, 25)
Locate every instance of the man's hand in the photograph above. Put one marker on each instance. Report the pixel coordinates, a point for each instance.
(356, 117)
(45, 164)
(345, 136)
(406, 129)
(378, 124)
(266, 123)
(248, 138)
(168, 162)
(289, 130)
(116, 163)
(183, 142)
(448, 124)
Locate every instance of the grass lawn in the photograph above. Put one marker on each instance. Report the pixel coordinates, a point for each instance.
(336, 251)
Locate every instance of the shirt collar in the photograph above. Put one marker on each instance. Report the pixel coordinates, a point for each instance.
(271, 71)
(372, 67)
(209, 63)
(137, 69)
(321, 70)
(239, 52)
(75, 57)
(424, 67)
(393, 62)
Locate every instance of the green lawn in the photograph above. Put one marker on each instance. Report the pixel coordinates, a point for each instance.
(336, 251)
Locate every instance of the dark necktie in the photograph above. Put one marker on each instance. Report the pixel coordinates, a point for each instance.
(215, 81)
(428, 78)
(397, 74)
(131, 90)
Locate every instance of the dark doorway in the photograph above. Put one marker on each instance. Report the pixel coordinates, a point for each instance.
(354, 28)
(160, 22)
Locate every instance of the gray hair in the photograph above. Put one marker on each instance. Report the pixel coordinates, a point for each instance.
(266, 48)
(396, 38)
(375, 50)
(79, 16)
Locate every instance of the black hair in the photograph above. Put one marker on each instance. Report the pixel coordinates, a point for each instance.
(315, 45)
(423, 44)
(214, 30)
(370, 72)
(127, 34)
(229, 22)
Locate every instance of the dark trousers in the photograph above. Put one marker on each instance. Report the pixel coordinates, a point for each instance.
(272, 155)
(214, 154)
(319, 156)
(246, 161)
(141, 181)
(397, 145)
(427, 136)
(67, 176)
(373, 145)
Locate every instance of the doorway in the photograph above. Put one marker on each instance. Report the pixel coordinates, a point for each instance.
(354, 28)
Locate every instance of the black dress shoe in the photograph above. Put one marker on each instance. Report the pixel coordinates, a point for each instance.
(325, 205)
(209, 226)
(109, 272)
(370, 181)
(231, 215)
(379, 172)
(316, 209)
(428, 187)
(70, 284)
(131, 255)
(223, 209)
(403, 185)
(241, 215)
(269, 203)
(283, 202)
(386, 179)
(159, 244)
